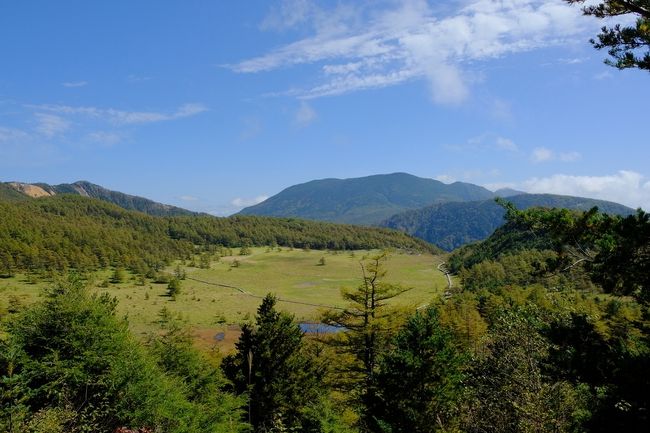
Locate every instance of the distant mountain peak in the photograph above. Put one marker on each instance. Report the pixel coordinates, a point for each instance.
(364, 200)
(89, 189)
(507, 192)
(30, 190)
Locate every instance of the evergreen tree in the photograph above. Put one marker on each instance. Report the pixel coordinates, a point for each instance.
(272, 368)
(174, 288)
(419, 382)
(629, 45)
(368, 322)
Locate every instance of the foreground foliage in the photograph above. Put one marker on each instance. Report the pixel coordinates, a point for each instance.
(68, 364)
(282, 381)
(628, 45)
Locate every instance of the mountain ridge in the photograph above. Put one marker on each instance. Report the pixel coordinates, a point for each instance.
(88, 189)
(451, 225)
(364, 200)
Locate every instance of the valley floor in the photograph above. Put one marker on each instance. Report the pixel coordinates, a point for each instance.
(214, 301)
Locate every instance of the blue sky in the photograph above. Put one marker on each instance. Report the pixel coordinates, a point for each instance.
(214, 105)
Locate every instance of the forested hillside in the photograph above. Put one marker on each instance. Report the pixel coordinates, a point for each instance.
(365, 200)
(451, 225)
(69, 231)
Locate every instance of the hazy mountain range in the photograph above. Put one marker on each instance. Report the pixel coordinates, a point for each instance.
(446, 215)
(451, 225)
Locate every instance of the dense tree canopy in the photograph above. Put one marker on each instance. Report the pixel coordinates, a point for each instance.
(62, 232)
(69, 361)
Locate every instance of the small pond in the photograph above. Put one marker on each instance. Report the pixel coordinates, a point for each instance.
(319, 328)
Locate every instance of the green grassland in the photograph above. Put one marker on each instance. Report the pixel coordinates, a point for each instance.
(292, 274)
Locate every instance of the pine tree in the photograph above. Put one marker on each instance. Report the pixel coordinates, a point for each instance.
(271, 367)
(368, 322)
(626, 44)
(419, 382)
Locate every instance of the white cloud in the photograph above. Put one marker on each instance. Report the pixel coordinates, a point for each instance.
(541, 154)
(544, 154)
(574, 60)
(304, 115)
(288, 14)
(506, 144)
(357, 48)
(122, 117)
(244, 202)
(75, 84)
(626, 187)
(51, 125)
(445, 178)
(485, 142)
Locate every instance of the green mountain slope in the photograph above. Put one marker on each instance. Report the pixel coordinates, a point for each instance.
(365, 200)
(65, 231)
(14, 190)
(451, 225)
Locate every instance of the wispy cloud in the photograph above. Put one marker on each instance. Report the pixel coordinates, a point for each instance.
(541, 154)
(51, 125)
(106, 138)
(485, 142)
(288, 14)
(574, 60)
(544, 154)
(626, 187)
(506, 144)
(305, 115)
(19, 148)
(9, 135)
(240, 202)
(357, 48)
(445, 178)
(468, 175)
(75, 84)
(123, 117)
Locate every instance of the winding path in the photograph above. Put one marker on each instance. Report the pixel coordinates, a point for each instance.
(444, 270)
